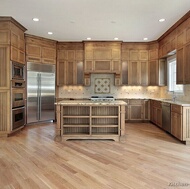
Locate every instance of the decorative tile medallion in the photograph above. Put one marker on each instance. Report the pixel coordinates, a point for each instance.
(102, 85)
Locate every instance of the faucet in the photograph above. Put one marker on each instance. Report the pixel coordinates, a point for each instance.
(174, 97)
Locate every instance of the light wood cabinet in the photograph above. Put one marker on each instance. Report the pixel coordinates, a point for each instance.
(5, 74)
(183, 66)
(138, 73)
(176, 121)
(156, 112)
(158, 72)
(146, 110)
(40, 50)
(186, 68)
(90, 121)
(103, 57)
(136, 110)
(11, 48)
(153, 72)
(180, 66)
(70, 64)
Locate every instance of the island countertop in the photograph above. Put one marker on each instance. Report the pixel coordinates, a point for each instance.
(90, 102)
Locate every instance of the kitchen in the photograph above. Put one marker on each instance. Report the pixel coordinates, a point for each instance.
(133, 72)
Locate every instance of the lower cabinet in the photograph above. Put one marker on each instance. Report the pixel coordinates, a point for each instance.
(180, 124)
(137, 110)
(176, 121)
(156, 112)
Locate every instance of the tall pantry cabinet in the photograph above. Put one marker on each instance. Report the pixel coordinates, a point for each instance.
(12, 48)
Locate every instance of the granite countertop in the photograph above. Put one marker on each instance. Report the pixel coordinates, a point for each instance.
(177, 102)
(118, 101)
(89, 102)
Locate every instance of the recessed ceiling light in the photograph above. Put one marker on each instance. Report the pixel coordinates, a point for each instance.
(50, 33)
(162, 20)
(145, 38)
(35, 19)
(88, 38)
(116, 38)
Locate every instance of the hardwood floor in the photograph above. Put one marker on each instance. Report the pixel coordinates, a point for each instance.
(148, 159)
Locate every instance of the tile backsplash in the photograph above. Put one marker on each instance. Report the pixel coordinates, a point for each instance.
(116, 91)
(181, 97)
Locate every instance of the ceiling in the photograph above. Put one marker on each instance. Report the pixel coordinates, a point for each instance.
(75, 20)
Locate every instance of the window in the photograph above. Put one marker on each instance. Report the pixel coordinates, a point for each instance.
(172, 86)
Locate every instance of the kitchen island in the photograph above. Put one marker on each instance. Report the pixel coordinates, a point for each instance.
(85, 119)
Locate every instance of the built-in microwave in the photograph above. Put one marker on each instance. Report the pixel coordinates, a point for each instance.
(17, 70)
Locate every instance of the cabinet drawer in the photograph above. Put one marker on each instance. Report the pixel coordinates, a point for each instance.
(176, 108)
(135, 101)
(157, 103)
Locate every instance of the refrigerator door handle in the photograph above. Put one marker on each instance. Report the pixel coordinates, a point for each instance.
(40, 97)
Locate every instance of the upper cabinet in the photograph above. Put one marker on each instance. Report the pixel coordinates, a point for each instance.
(40, 50)
(12, 33)
(102, 57)
(183, 55)
(70, 63)
(167, 44)
(135, 58)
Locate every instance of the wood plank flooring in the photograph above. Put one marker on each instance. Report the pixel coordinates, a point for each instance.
(148, 159)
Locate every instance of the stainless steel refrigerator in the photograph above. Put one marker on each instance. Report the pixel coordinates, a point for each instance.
(40, 92)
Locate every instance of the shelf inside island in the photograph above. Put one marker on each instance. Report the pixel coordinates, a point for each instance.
(90, 120)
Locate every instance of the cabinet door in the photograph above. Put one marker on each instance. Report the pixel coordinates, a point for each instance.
(154, 115)
(134, 54)
(143, 65)
(180, 66)
(88, 66)
(4, 67)
(5, 115)
(181, 39)
(176, 125)
(136, 112)
(116, 66)
(5, 37)
(134, 73)
(33, 53)
(187, 64)
(153, 54)
(125, 72)
(48, 55)
(146, 110)
(61, 67)
(162, 72)
(70, 73)
(79, 72)
(143, 54)
(153, 72)
(151, 111)
(159, 117)
(14, 39)
(126, 113)
(14, 54)
(102, 66)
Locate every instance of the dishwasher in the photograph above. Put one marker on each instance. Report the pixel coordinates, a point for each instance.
(166, 116)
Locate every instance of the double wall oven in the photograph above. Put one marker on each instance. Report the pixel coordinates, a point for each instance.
(18, 95)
